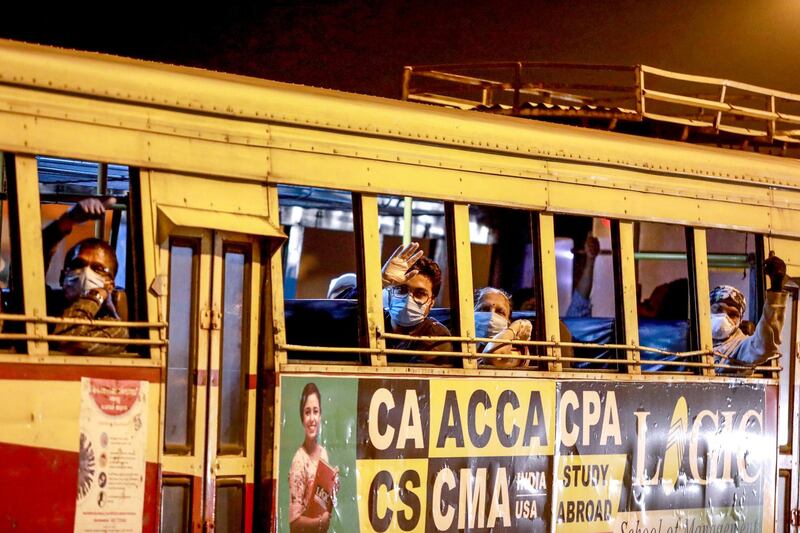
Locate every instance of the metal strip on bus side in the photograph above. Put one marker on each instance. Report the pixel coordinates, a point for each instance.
(699, 263)
(276, 291)
(627, 291)
(368, 248)
(457, 216)
(549, 287)
(26, 199)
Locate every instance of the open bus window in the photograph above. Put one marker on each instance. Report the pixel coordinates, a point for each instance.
(86, 249)
(586, 285)
(505, 279)
(419, 306)
(319, 269)
(663, 289)
(732, 262)
(739, 308)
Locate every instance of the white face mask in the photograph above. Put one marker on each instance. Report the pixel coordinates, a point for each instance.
(83, 280)
(722, 326)
(406, 311)
(497, 323)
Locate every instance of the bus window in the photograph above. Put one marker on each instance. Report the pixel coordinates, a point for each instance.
(176, 498)
(586, 290)
(663, 290)
(184, 257)
(420, 306)
(319, 276)
(85, 236)
(504, 275)
(735, 269)
(732, 261)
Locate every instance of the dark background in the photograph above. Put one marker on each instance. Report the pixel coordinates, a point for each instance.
(362, 46)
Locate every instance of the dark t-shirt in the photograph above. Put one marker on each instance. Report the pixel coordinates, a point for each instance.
(429, 327)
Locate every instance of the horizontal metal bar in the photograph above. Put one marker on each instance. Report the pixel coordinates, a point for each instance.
(458, 78)
(81, 321)
(63, 198)
(523, 64)
(716, 81)
(77, 338)
(534, 358)
(715, 260)
(562, 344)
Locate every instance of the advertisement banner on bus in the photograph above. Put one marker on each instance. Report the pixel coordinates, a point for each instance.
(433, 454)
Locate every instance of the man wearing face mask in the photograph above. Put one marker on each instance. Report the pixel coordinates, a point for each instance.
(727, 308)
(411, 284)
(87, 280)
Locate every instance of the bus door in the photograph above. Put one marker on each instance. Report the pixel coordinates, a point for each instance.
(209, 414)
(787, 494)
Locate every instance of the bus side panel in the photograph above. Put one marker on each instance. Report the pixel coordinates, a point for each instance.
(40, 444)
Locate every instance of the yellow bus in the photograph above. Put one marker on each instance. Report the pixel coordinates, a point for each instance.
(217, 380)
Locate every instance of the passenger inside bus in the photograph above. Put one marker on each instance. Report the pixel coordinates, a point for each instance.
(728, 305)
(411, 284)
(580, 305)
(493, 316)
(87, 281)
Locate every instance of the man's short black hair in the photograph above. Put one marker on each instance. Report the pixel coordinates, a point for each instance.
(91, 243)
(428, 268)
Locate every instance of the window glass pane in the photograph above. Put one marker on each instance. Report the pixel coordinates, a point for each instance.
(230, 506)
(586, 291)
(233, 391)
(419, 306)
(175, 506)
(662, 284)
(319, 270)
(505, 279)
(180, 356)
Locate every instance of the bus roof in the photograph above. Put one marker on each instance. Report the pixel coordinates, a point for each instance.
(164, 86)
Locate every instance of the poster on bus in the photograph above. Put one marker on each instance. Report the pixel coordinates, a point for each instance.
(519, 455)
(664, 457)
(111, 472)
(416, 454)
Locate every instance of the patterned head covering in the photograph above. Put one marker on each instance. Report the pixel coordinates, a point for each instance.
(729, 295)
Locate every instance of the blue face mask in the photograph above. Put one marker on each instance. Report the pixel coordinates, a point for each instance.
(406, 311)
(489, 323)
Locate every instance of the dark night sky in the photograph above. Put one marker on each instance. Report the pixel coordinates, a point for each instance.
(362, 46)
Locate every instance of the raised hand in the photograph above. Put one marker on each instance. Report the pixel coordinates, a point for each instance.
(775, 268)
(90, 209)
(522, 329)
(395, 270)
(591, 246)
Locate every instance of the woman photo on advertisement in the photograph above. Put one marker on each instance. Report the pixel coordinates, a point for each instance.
(312, 481)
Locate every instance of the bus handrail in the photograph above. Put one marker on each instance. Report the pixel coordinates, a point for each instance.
(542, 358)
(78, 338)
(81, 321)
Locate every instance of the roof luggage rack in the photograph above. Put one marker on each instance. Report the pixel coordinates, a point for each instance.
(640, 100)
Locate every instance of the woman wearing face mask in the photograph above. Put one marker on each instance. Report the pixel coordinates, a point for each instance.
(727, 308)
(495, 306)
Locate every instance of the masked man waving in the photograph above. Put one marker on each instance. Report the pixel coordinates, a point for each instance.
(728, 305)
(411, 284)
